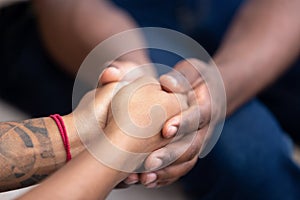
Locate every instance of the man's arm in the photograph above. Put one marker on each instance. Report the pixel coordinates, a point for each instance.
(72, 28)
(261, 45)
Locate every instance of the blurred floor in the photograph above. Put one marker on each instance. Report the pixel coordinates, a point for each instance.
(173, 192)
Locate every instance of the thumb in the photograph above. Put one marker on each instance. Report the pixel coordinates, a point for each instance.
(186, 74)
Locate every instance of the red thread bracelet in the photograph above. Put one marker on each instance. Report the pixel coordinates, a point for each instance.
(63, 132)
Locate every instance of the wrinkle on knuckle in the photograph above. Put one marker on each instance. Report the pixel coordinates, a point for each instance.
(188, 155)
(201, 122)
(165, 154)
(194, 148)
(190, 120)
(193, 151)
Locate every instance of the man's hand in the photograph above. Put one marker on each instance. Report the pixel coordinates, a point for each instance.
(207, 98)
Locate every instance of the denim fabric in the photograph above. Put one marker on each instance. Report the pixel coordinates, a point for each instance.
(252, 160)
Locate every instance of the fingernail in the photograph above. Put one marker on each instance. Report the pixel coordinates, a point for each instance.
(155, 164)
(169, 81)
(152, 185)
(172, 130)
(172, 80)
(113, 69)
(150, 178)
(131, 182)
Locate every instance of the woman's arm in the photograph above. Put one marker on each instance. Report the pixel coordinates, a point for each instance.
(260, 46)
(82, 178)
(30, 150)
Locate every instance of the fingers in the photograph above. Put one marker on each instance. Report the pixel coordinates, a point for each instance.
(167, 175)
(110, 74)
(124, 71)
(179, 168)
(190, 120)
(116, 71)
(195, 117)
(148, 178)
(185, 160)
(183, 150)
(199, 112)
(131, 179)
(186, 122)
(186, 74)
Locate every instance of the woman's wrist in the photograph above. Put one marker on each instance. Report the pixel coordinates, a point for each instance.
(76, 145)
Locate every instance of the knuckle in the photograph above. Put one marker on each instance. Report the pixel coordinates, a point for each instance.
(165, 154)
(190, 121)
(201, 122)
(193, 151)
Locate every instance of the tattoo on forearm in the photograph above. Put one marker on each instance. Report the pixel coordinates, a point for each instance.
(26, 153)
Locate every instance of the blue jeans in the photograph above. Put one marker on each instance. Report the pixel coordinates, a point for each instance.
(252, 160)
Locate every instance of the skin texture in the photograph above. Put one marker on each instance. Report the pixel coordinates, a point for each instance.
(68, 183)
(72, 28)
(33, 149)
(19, 170)
(29, 151)
(260, 45)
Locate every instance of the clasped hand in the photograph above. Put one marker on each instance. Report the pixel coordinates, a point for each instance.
(195, 129)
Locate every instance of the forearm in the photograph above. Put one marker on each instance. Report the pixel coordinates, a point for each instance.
(85, 177)
(31, 150)
(261, 44)
(82, 178)
(72, 28)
